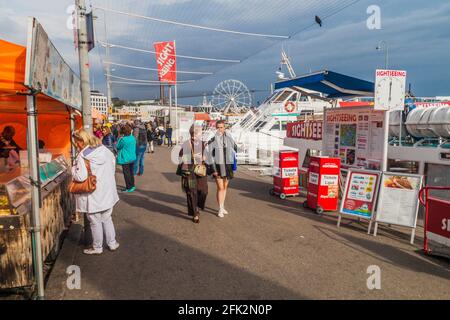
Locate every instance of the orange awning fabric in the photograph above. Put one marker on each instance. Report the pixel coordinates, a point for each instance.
(53, 116)
(12, 67)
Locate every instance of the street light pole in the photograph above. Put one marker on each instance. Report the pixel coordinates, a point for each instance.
(108, 81)
(383, 44)
(84, 64)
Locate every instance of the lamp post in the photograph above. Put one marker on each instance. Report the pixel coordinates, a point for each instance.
(383, 45)
(108, 81)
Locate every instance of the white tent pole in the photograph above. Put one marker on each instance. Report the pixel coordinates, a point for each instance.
(35, 217)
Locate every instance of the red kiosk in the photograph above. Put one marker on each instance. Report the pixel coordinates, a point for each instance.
(437, 222)
(285, 176)
(323, 184)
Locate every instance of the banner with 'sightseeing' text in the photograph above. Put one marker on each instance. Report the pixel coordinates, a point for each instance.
(166, 61)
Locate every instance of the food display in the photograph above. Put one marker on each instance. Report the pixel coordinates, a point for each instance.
(5, 209)
(17, 189)
(399, 182)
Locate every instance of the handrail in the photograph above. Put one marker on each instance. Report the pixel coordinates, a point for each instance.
(423, 201)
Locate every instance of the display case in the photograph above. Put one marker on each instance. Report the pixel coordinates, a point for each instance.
(15, 188)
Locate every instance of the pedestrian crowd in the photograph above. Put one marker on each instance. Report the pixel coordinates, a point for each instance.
(126, 144)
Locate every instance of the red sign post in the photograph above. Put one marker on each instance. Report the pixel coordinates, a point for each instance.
(166, 61)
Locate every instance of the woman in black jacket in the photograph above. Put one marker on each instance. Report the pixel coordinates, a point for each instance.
(192, 154)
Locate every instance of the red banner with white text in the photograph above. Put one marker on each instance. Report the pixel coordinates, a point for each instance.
(166, 61)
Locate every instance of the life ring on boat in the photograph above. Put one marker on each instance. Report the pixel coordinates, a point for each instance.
(289, 106)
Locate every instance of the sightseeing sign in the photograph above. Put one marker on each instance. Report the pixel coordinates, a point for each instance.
(166, 61)
(390, 89)
(309, 130)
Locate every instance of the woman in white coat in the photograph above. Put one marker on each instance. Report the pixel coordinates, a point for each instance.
(99, 204)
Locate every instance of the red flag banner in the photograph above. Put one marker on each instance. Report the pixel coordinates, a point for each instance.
(166, 61)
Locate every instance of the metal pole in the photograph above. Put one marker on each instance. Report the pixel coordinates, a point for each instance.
(384, 163)
(170, 107)
(73, 150)
(176, 101)
(108, 83)
(386, 62)
(84, 64)
(35, 217)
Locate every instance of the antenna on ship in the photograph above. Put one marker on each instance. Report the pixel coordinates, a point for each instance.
(287, 62)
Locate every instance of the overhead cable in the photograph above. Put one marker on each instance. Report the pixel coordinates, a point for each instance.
(111, 45)
(192, 25)
(147, 81)
(154, 69)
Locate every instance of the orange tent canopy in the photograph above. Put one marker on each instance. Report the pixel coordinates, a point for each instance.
(53, 116)
(12, 68)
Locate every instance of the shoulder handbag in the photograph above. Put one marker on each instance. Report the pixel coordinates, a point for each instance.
(199, 169)
(87, 186)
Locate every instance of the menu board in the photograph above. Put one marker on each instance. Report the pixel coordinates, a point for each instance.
(361, 190)
(398, 202)
(355, 135)
(47, 71)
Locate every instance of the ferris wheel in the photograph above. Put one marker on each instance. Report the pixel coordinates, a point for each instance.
(231, 96)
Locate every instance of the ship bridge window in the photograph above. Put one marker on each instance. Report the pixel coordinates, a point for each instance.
(275, 127)
(304, 98)
(260, 125)
(293, 97)
(283, 126)
(282, 97)
(272, 96)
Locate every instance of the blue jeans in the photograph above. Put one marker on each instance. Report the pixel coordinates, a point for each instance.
(139, 164)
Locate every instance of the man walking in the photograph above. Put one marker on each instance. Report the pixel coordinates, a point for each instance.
(140, 133)
(169, 131)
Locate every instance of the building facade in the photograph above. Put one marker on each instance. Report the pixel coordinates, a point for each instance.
(100, 102)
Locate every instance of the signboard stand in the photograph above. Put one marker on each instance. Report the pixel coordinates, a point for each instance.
(359, 199)
(398, 201)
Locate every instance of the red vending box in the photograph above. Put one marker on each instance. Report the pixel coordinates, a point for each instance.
(285, 175)
(323, 184)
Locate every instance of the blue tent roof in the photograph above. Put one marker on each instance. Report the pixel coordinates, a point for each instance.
(335, 85)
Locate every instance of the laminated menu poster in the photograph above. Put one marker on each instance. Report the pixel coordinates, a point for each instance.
(399, 199)
(360, 193)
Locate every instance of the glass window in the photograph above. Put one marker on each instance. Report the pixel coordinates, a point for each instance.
(293, 97)
(283, 126)
(275, 127)
(282, 97)
(304, 98)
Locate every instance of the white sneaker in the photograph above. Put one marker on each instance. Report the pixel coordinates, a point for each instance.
(114, 247)
(220, 214)
(92, 251)
(224, 211)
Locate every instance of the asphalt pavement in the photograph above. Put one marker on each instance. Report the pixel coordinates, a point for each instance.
(266, 248)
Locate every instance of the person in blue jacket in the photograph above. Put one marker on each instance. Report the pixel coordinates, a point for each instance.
(126, 148)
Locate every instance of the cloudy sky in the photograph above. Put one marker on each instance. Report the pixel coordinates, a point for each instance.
(417, 33)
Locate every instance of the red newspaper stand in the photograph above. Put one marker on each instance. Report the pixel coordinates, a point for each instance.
(285, 176)
(323, 184)
(437, 222)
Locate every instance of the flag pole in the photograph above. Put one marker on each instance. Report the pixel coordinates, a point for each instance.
(176, 98)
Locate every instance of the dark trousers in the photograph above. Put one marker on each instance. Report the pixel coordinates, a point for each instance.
(196, 197)
(169, 141)
(128, 175)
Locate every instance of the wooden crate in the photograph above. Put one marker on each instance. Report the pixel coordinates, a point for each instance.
(15, 237)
